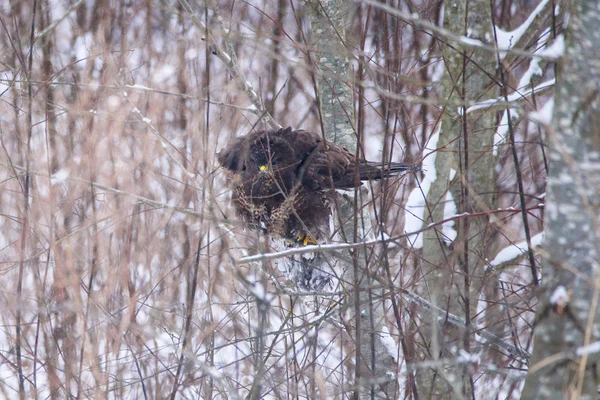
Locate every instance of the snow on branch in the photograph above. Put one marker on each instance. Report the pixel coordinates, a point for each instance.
(592, 348)
(516, 250)
(501, 101)
(367, 243)
(462, 41)
(508, 40)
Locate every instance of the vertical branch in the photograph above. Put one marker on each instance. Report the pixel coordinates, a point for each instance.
(275, 62)
(26, 205)
(189, 312)
(262, 308)
(210, 353)
(227, 55)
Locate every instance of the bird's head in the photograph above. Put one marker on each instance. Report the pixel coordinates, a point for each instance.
(269, 154)
(271, 157)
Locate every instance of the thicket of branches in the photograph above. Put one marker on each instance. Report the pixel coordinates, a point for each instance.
(122, 260)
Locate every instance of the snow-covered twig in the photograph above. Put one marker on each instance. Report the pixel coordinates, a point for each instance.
(515, 250)
(462, 41)
(503, 102)
(350, 246)
(525, 32)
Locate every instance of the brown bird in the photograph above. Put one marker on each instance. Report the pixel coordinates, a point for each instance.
(284, 180)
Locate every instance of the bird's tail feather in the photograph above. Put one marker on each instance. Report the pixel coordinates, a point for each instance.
(377, 170)
(372, 171)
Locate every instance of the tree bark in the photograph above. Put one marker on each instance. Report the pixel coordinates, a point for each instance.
(375, 368)
(464, 146)
(567, 318)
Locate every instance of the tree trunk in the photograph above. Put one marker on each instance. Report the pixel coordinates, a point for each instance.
(567, 318)
(465, 147)
(375, 368)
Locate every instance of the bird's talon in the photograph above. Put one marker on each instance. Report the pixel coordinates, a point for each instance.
(306, 240)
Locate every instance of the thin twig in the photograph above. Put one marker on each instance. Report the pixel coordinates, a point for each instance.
(140, 199)
(234, 69)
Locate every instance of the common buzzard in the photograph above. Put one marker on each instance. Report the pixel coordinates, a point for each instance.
(284, 180)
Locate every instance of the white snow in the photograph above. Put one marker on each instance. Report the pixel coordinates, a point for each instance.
(140, 87)
(555, 50)
(591, 348)
(511, 97)
(534, 65)
(191, 54)
(560, 296)
(544, 114)
(163, 74)
(448, 231)
(501, 131)
(259, 291)
(59, 176)
(471, 42)
(507, 40)
(415, 206)
(516, 250)
(388, 342)
(465, 357)
(390, 245)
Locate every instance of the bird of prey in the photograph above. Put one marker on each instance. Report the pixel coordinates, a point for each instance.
(284, 180)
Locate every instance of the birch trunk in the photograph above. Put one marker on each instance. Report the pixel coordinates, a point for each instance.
(373, 363)
(464, 146)
(567, 314)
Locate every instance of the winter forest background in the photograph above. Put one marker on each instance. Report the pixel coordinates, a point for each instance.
(125, 273)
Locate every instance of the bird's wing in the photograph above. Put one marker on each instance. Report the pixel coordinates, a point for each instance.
(334, 166)
(329, 166)
(303, 143)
